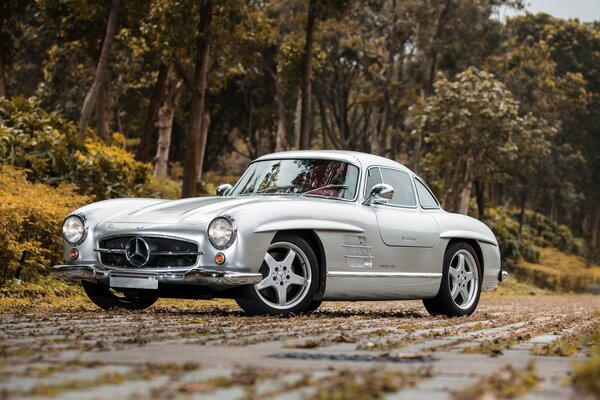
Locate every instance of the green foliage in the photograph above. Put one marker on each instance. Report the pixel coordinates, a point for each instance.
(538, 231)
(32, 216)
(109, 171)
(557, 271)
(47, 146)
(161, 188)
(472, 126)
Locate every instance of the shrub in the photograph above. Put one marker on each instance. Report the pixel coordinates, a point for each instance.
(31, 216)
(108, 171)
(538, 231)
(161, 188)
(558, 272)
(48, 147)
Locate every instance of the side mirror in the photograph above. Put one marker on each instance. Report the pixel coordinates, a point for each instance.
(380, 194)
(224, 189)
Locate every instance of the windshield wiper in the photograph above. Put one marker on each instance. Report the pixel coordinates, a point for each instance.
(324, 188)
(272, 191)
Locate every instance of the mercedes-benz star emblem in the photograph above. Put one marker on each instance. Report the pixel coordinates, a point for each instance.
(137, 252)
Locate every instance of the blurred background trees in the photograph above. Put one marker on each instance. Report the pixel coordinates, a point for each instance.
(167, 95)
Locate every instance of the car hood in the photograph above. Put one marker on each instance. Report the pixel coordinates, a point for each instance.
(194, 210)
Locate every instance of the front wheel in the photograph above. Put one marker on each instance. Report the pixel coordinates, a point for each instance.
(461, 283)
(106, 298)
(290, 279)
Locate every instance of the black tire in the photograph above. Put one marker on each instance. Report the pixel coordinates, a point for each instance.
(467, 292)
(259, 300)
(103, 297)
(313, 306)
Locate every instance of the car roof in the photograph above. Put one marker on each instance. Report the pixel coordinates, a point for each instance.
(364, 160)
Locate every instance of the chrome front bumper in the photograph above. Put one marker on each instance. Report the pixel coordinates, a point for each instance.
(195, 276)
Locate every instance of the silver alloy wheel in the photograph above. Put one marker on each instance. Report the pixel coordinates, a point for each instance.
(286, 276)
(463, 278)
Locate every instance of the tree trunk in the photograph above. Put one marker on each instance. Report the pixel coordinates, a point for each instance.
(281, 138)
(297, 118)
(416, 150)
(434, 55)
(2, 73)
(480, 197)
(522, 202)
(204, 130)
(307, 77)
(385, 115)
(145, 147)
(465, 193)
(102, 106)
(165, 124)
(595, 238)
(101, 69)
(195, 148)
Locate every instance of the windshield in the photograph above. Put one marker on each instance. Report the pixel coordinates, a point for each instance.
(323, 178)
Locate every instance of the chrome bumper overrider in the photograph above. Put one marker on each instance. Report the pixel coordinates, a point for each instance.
(195, 276)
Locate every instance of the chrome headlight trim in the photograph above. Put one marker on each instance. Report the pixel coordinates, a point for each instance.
(215, 241)
(84, 229)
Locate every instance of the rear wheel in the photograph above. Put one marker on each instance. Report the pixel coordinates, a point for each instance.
(107, 298)
(461, 283)
(290, 279)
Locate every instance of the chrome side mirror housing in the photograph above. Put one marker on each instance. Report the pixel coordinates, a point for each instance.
(381, 193)
(224, 189)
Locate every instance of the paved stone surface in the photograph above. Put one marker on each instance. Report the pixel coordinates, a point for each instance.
(210, 350)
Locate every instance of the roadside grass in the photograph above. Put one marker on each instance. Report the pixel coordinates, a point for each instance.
(557, 271)
(516, 287)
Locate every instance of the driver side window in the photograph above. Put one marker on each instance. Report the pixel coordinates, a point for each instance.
(404, 194)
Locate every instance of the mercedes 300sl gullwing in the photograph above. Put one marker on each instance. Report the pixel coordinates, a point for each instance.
(298, 228)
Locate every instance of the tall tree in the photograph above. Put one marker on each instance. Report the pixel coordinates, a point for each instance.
(3, 12)
(166, 114)
(101, 69)
(469, 125)
(196, 135)
(307, 75)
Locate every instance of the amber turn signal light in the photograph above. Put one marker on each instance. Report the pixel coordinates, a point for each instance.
(74, 254)
(220, 258)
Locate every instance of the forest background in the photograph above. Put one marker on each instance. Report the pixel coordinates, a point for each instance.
(169, 98)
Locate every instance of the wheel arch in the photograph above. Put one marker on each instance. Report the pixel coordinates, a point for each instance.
(315, 243)
(476, 246)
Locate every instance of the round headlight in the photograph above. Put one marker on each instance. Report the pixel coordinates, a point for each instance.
(221, 232)
(73, 229)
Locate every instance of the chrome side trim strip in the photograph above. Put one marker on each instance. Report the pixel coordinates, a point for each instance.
(369, 274)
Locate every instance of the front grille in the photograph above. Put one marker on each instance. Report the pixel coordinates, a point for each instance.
(162, 252)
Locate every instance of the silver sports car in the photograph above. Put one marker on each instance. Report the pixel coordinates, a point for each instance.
(296, 229)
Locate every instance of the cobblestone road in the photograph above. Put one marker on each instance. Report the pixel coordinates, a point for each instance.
(391, 350)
